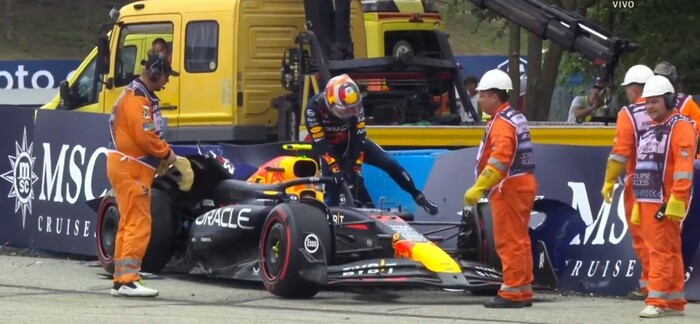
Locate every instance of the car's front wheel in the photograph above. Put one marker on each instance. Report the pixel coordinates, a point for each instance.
(295, 245)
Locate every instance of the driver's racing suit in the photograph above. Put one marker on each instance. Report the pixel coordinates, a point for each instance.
(342, 146)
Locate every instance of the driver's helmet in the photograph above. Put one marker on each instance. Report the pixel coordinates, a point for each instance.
(343, 97)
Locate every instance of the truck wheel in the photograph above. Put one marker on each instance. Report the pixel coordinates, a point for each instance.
(289, 231)
(163, 230)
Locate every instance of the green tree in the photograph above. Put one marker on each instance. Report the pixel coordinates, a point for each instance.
(664, 31)
(542, 72)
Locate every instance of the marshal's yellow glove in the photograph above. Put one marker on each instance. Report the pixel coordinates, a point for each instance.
(487, 179)
(675, 209)
(184, 167)
(612, 171)
(635, 219)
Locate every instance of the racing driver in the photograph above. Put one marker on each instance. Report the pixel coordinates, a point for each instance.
(335, 122)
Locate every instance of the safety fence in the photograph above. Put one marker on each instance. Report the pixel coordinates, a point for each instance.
(56, 163)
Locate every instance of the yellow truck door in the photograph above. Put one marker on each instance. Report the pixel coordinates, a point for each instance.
(265, 30)
(207, 74)
(130, 43)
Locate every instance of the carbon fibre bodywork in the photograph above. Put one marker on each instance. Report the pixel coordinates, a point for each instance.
(219, 227)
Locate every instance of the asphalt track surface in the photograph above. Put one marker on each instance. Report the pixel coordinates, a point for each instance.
(57, 290)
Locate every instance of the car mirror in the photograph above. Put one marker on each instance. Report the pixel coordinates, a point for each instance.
(67, 98)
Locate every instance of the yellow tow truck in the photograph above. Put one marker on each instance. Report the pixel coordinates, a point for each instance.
(249, 67)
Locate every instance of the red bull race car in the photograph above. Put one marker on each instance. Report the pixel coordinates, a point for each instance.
(272, 226)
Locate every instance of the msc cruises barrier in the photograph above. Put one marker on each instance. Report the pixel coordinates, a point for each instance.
(56, 162)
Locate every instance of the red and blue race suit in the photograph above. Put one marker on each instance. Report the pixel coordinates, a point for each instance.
(342, 147)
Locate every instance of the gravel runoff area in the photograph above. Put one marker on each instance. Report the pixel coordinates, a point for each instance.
(41, 288)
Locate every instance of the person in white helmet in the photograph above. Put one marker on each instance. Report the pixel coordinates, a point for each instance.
(632, 122)
(506, 161)
(685, 103)
(666, 159)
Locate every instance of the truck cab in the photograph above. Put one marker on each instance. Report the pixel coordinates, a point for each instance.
(229, 54)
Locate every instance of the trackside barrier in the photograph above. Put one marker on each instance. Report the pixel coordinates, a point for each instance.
(56, 163)
(599, 259)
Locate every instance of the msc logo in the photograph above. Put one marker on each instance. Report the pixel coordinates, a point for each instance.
(22, 176)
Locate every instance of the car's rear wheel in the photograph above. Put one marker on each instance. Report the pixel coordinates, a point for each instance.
(163, 231)
(292, 234)
(107, 225)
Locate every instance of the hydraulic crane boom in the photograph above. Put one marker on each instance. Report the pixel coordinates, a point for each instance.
(567, 28)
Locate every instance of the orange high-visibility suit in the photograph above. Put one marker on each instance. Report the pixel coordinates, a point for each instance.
(506, 152)
(688, 107)
(136, 148)
(663, 180)
(632, 121)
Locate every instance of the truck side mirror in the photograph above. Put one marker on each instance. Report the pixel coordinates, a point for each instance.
(102, 63)
(67, 99)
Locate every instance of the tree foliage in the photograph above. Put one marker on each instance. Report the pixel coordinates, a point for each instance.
(663, 30)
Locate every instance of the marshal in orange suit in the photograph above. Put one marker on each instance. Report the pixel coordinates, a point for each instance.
(632, 122)
(506, 167)
(663, 179)
(136, 151)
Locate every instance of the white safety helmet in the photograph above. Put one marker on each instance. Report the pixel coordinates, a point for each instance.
(657, 85)
(495, 79)
(637, 74)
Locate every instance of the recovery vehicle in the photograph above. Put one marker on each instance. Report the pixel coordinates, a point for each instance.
(232, 88)
(229, 54)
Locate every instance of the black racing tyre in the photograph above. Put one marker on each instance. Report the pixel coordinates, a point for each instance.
(470, 243)
(490, 256)
(163, 231)
(107, 225)
(288, 228)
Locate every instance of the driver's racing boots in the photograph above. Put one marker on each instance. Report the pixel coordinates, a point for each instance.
(428, 205)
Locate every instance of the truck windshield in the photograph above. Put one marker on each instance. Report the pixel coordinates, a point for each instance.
(136, 42)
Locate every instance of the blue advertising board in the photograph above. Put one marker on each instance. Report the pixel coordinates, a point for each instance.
(35, 74)
(17, 160)
(599, 259)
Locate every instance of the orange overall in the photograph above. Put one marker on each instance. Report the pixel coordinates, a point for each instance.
(507, 147)
(136, 149)
(632, 121)
(687, 106)
(663, 174)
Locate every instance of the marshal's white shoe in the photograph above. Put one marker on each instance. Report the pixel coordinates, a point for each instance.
(136, 289)
(652, 312)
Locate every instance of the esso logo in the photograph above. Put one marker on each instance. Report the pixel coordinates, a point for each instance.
(311, 243)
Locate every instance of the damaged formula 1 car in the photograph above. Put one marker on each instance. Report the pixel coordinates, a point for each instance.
(274, 227)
